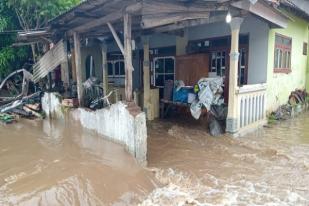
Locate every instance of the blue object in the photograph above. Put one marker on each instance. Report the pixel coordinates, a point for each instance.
(182, 94)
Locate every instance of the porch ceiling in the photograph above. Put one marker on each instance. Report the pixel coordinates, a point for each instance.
(90, 18)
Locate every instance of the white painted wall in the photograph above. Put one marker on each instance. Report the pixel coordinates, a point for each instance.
(117, 124)
(114, 123)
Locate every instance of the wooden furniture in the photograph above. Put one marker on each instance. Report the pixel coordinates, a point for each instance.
(191, 68)
(166, 105)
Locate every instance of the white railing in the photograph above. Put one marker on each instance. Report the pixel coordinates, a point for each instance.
(251, 106)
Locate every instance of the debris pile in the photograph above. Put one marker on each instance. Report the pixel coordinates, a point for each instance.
(209, 92)
(20, 100)
(297, 100)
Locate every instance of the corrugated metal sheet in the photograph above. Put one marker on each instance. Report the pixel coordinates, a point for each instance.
(53, 58)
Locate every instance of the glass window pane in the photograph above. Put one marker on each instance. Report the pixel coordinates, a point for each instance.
(276, 58)
(117, 66)
(121, 68)
(223, 59)
(284, 60)
(110, 69)
(169, 77)
(243, 58)
(159, 80)
(219, 67)
(169, 65)
(159, 65)
(289, 59)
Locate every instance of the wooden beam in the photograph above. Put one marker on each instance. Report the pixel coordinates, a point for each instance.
(104, 68)
(151, 7)
(78, 65)
(187, 23)
(146, 79)
(264, 11)
(171, 18)
(115, 35)
(127, 21)
(85, 14)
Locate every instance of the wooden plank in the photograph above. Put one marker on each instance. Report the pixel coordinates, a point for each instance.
(264, 11)
(189, 23)
(150, 21)
(110, 17)
(105, 69)
(146, 77)
(115, 35)
(127, 20)
(78, 64)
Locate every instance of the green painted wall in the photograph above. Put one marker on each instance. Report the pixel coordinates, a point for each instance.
(307, 75)
(280, 85)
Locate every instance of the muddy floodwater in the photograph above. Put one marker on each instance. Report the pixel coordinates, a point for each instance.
(53, 163)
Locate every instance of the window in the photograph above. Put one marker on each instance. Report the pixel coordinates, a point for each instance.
(164, 69)
(116, 72)
(218, 59)
(282, 60)
(242, 66)
(305, 48)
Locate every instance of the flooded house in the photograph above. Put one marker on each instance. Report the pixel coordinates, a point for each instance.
(127, 55)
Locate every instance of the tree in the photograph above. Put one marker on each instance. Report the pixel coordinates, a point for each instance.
(10, 58)
(24, 15)
(34, 14)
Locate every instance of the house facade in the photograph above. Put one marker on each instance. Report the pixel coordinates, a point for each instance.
(130, 47)
(283, 78)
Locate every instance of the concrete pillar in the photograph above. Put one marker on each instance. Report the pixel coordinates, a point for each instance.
(146, 77)
(232, 117)
(105, 69)
(78, 65)
(181, 44)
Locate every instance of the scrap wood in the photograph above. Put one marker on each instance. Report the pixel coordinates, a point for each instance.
(298, 97)
(8, 107)
(27, 77)
(36, 114)
(21, 112)
(35, 107)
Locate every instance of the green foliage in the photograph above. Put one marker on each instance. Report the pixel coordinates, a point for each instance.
(10, 58)
(34, 14)
(24, 15)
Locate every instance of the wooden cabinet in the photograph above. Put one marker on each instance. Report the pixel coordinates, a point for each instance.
(191, 68)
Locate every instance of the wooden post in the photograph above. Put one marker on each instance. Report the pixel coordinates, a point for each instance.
(65, 75)
(232, 117)
(115, 35)
(78, 65)
(105, 69)
(127, 20)
(146, 77)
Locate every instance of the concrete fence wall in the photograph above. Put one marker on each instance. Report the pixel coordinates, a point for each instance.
(114, 123)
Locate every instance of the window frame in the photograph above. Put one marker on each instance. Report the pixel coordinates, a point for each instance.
(164, 73)
(284, 52)
(112, 79)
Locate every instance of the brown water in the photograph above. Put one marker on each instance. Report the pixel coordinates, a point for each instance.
(268, 167)
(52, 163)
